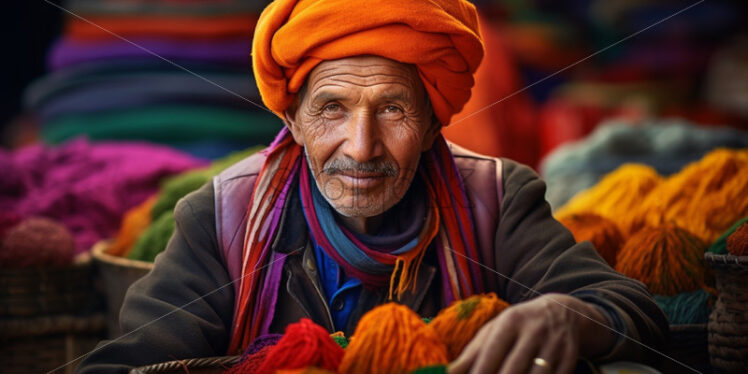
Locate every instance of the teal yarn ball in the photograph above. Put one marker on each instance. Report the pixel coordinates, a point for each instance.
(686, 307)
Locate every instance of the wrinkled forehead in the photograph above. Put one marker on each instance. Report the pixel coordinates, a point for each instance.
(364, 71)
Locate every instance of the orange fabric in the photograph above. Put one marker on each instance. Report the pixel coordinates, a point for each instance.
(163, 26)
(440, 37)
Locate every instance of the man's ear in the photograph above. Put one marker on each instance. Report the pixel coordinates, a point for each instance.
(289, 118)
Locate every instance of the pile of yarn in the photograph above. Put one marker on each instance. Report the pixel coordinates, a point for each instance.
(666, 145)
(37, 242)
(147, 228)
(615, 196)
(390, 338)
(705, 198)
(85, 186)
(667, 224)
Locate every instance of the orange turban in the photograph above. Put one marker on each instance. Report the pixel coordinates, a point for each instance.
(440, 37)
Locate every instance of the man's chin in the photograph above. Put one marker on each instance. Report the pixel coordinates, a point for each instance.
(359, 211)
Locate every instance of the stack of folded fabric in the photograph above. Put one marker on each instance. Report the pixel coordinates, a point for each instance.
(172, 72)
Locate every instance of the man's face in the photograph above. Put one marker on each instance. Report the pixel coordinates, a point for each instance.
(363, 122)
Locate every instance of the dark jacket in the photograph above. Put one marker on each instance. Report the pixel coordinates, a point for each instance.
(184, 307)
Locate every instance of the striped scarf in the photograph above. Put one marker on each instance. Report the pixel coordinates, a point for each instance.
(449, 225)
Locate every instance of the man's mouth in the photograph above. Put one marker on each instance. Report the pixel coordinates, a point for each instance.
(360, 180)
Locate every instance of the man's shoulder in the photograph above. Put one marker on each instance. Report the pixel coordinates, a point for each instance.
(475, 167)
(248, 167)
(481, 166)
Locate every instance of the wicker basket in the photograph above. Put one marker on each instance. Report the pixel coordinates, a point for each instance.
(728, 322)
(118, 273)
(48, 343)
(207, 365)
(687, 346)
(26, 292)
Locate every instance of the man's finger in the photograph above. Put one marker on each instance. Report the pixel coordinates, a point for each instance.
(550, 355)
(521, 356)
(494, 349)
(568, 359)
(463, 363)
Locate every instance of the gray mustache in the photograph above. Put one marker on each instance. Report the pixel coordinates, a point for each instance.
(339, 165)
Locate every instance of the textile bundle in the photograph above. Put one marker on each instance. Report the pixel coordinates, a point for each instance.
(388, 339)
(86, 187)
(177, 74)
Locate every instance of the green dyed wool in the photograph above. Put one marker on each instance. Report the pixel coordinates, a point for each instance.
(341, 340)
(154, 239)
(436, 369)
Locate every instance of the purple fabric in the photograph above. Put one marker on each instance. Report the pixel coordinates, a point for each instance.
(67, 52)
(86, 186)
(267, 340)
(269, 292)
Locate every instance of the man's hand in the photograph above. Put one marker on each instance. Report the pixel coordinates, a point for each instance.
(554, 328)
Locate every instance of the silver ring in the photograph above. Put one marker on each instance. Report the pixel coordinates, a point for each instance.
(541, 362)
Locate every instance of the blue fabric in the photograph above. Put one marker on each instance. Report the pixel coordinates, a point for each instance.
(341, 291)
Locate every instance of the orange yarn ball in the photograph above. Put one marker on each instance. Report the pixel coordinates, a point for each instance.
(392, 339)
(668, 259)
(737, 242)
(457, 324)
(602, 232)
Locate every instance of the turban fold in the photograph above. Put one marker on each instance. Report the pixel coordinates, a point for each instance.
(440, 37)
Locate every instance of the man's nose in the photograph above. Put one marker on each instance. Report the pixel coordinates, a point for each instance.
(362, 138)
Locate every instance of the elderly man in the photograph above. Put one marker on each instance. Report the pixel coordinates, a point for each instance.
(360, 200)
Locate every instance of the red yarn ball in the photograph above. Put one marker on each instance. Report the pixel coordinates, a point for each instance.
(303, 345)
(37, 242)
(251, 363)
(737, 242)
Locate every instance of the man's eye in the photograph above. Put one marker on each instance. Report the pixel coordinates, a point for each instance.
(330, 108)
(393, 109)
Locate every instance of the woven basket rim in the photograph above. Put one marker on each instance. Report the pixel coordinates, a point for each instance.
(193, 363)
(717, 260)
(99, 254)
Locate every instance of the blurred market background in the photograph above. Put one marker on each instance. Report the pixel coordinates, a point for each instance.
(105, 124)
